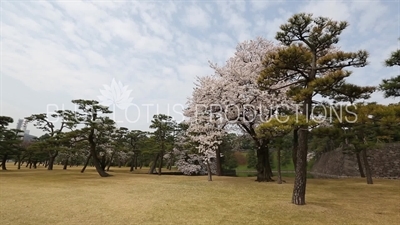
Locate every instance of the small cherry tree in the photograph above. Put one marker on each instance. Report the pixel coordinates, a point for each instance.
(208, 135)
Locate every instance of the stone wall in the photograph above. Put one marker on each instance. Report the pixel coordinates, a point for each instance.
(384, 161)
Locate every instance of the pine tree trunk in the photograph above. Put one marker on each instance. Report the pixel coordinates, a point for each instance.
(132, 163)
(65, 164)
(19, 164)
(111, 159)
(95, 159)
(86, 162)
(51, 161)
(299, 189)
(153, 167)
(161, 163)
(136, 161)
(367, 167)
(98, 166)
(295, 146)
(360, 167)
(3, 162)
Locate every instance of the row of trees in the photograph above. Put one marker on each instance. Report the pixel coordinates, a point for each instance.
(89, 136)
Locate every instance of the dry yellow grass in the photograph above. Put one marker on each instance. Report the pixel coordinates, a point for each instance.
(69, 197)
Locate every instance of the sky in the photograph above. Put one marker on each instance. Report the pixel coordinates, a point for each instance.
(142, 57)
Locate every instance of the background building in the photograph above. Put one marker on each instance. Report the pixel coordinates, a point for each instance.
(22, 125)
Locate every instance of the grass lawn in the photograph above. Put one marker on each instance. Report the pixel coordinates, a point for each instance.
(69, 197)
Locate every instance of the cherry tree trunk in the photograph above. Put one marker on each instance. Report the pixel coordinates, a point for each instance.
(264, 172)
(218, 159)
(279, 166)
(209, 174)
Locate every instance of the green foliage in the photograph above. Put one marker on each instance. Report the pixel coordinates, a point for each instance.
(394, 59)
(10, 139)
(246, 143)
(229, 161)
(227, 146)
(162, 139)
(284, 143)
(391, 87)
(309, 63)
(367, 125)
(251, 159)
(351, 93)
(5, 121)
(280, 126)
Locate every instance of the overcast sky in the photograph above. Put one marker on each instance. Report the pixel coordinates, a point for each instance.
(56, 51)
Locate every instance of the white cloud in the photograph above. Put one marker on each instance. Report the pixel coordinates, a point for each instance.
(371, 14)
(337, 10)
(196, 17)
(262, 5)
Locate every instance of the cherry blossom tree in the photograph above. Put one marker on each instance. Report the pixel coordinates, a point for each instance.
(232, 94)
(190, 163)
(185, 155)
(206, 123)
